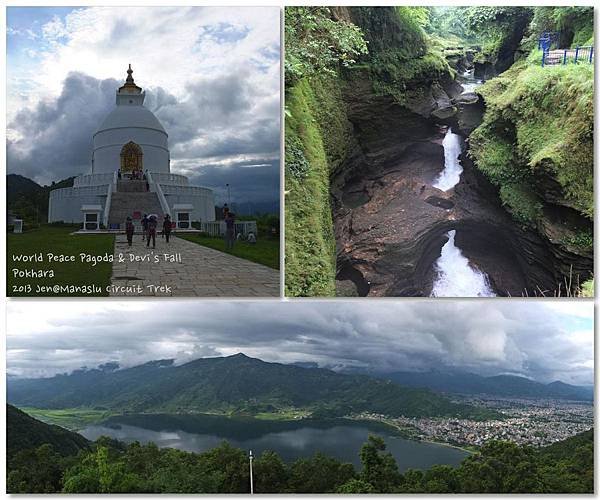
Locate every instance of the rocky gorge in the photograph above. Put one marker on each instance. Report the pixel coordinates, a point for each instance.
(389, 221)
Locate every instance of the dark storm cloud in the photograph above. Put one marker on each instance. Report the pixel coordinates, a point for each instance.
(55, 138)
(533, 340)
(223, 125)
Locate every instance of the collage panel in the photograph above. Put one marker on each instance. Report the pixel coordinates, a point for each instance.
(343, 397)
(143, 151)
(414, 153)
(439, 151)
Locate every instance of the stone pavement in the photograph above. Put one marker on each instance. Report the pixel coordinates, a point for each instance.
(185, 269)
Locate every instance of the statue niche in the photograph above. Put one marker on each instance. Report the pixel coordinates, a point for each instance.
(131, 158)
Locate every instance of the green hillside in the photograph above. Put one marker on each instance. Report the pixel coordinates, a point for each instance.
(24, 432)
(28, 200)
(231, 385)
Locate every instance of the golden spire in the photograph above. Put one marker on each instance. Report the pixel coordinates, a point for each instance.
(129, 83)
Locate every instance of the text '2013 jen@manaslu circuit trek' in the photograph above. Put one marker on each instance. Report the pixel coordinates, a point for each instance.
(24, 272)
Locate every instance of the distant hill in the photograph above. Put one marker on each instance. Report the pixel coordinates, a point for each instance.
(28, 200)
(24, 432)
(501, 385)
(234, 384)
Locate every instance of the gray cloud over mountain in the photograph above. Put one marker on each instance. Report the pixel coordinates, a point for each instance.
(217, 134)
(541, 341)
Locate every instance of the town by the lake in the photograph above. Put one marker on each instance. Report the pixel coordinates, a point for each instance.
(535, 422)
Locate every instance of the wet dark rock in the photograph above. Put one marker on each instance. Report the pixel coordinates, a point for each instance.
(390, 223)
(436, 201)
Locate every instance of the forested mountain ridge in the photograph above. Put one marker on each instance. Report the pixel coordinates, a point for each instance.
(499, 385)
(236, 384)
(28, 200)
(24, 432)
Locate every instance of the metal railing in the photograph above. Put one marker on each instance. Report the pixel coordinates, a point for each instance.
(556, 57)
(217, 228)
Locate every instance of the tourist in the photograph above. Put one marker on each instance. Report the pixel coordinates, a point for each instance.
(144, 227)
(129, 230)
(167, 227)
(119, 173)
(151, 232)
(229, 230)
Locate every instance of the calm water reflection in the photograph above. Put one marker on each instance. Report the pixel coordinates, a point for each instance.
(292, 440)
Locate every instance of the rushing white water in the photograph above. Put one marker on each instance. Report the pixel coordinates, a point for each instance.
(455, 277)
(450, 176)
(469, 87)
(470, 83)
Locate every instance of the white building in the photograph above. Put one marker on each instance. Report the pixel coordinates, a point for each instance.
(130, 174)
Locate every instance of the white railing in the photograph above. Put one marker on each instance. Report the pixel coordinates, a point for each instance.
(176, 179)
(80, 191)
(217, 228)
(155, 186)
(93, 179)
(186, 190)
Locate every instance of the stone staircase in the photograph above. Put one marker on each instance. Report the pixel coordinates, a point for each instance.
(124, 204)
(131, 186)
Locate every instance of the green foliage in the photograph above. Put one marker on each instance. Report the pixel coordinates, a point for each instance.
(450, 22)
(538, 123)
(310, 246)
(114, 467)
(583, 239)
(317, 44)
(587, 288)
(379, 467)
(28, 200)
(295, 161)
(319, 474)
(522, 203)
(401, 57)
(25, 432)
(493, 26)
(35, 470)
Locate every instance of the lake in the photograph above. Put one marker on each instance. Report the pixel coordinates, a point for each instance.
(338, 438)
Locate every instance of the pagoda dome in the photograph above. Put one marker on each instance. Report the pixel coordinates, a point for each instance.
(130, 122)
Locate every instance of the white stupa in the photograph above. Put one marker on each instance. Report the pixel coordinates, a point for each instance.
(130, 174)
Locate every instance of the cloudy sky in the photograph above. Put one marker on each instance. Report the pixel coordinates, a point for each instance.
(545, 341)
(211, 75)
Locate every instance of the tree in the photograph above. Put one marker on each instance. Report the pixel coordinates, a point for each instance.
(355, 486)
(379, 467)
(36, 470)
(319, 474)
(315, 43)
(270, 473)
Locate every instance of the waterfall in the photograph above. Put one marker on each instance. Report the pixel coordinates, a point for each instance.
(455, 277)
(450, 176)
(470, 82)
